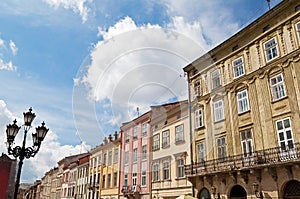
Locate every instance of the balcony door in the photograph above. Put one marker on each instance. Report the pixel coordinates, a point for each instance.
(285, 139)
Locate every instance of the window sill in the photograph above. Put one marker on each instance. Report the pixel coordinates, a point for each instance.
(242, 113)
(180, 178)
(219, 121)
(199, 128)
(277, 100)
(155, 149)
(166, 146)
(166, 180)
(179, 142)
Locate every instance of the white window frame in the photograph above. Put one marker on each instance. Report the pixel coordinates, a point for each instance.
(125, 183)
(166, 170)
(155, 172)
(135, 155)
(197, 89)
(126, 157)
(135, 133)
(144, 178)
(116, 155)
(278, 87)
(165, 138)
(218, 110)
(109, 161)
(298, 30)
(144, 129)
(180, 168)
(179, 133)
(134, 179)
(144, 152)
(155, 145)
(216, 79)
(285, 135)
(200, 152)
(238, 67)
(199, 118)
(247, 143)
(242, 101)
(271, 51)
(221, 148)
(127, 136)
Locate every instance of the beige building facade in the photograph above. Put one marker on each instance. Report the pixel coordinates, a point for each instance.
(245, 105)
(170, 150)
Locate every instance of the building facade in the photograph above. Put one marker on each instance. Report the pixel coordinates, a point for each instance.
(7, 176)
(170, 150)
(82, 177)
(135, 171)
(245, 101)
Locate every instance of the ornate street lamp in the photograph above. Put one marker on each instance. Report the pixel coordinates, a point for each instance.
(23, 151)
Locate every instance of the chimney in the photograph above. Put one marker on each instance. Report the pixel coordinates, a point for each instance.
(116, 135)
(109, 138)
(105, 140)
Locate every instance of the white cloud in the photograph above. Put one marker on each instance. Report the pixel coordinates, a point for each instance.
(13, 47)
(50, 153)
(7, 66)
(2, 44)
(77, 6)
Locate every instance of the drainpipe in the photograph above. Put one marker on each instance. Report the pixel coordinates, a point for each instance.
(191, 132)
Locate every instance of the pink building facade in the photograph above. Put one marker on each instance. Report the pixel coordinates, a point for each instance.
(135, 168)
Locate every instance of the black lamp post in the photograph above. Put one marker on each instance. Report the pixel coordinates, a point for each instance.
(23, 151)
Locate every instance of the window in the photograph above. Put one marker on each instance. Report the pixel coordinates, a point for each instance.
(285, 135)
(180, 168)
(104, 158)
(277, 87)
(135, 133)
(200, 152)
(108, 180)
(197, 89)
(135, 154)
(127, 136)
(215, 78)
(221, 142)
(126, 161)
(271, 49)
(247, 143)
(165, 138)
(198, 118)
(115, 179)
(298, 29)
(155, 142)
(109, 157)
(218, 110)
(144, 152)
(155, 172)
(125, 179)
(100, 159)
(166, 170)
(116, 155)
(144, 177)
(179, 136)
(134, 178)
(238, 67)
(103, 181)
(242, 101)
(144, 129)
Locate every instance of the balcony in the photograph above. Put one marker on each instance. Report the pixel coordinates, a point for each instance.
(131, 191)
(258, 159)
(93, 186)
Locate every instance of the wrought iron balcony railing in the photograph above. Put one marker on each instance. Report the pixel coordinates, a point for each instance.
(256, 159)
(131, 190)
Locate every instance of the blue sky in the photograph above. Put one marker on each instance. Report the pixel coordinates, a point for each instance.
(85, 65)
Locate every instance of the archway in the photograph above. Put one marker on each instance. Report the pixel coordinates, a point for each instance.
(204, 194)
(292, 190)
(238, 192)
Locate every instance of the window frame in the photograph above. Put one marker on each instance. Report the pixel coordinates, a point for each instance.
(144, 129)
(177, 133)
(155, 172)
(247, 143)
(297, 25)
(127, 136)
(270, 50)
(200, 154)
(109, 159)
(135, 133)
(243, 101)
(198, 118)
(135, 155)
(166, 170)
(197, 88)
(180, 168)
(156, 142)
(165, 138)
(218, 111)
(116, 155)
(284, 134)
(278, 87)
(216, 79)
(222, 148)
(144, 152)
(126, 157)
(144, 178)
(238, 66)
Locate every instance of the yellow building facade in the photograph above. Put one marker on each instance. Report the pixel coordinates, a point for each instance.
(245, 105)
(104, 169)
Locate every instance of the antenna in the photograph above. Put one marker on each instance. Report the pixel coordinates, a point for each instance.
(269, 4)
(138, 111)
